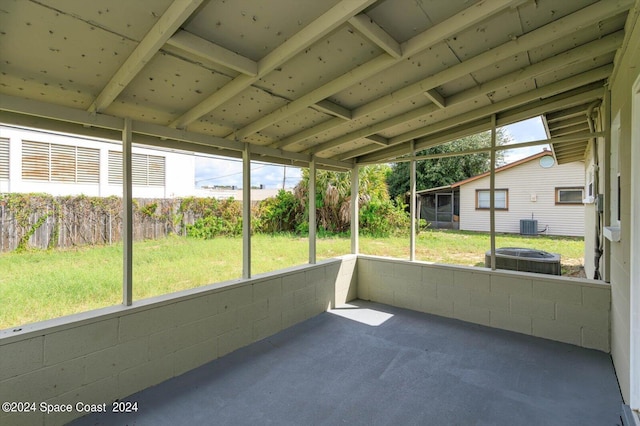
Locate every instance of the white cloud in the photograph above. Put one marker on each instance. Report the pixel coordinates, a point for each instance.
(525, 131)
(228, 172)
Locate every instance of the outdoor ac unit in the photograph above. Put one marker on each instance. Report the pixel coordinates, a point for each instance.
(528, 227)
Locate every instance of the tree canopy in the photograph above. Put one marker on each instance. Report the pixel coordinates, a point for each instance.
(431, 173)
(333, 193)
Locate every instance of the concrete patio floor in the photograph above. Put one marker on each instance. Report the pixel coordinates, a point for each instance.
(368, 364)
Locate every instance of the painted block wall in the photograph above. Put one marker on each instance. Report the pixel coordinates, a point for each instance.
(110, 353)
(621, 251)
(575, 311)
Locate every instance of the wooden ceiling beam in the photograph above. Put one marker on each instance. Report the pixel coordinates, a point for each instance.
(468, 17)
(579, 54)
(369, 29)
(317, 29)
(175, 15)
(211, 52)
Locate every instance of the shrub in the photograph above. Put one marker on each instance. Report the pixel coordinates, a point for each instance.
(382, 218)
(279, 214)
(213, 217)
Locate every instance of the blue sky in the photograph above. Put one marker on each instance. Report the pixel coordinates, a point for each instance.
(220, 171)
(525, 131)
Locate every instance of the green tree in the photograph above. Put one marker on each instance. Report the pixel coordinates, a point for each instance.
(431, 173)
(378, 214)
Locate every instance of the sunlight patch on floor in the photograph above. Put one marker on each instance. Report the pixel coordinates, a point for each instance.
(362, 315)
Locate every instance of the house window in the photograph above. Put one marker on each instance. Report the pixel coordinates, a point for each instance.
(146, 170)
(60, 163)
(4, 159)
(501, 197)
(569, 195)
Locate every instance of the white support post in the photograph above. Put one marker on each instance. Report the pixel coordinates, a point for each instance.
(127, 215)
(412, 204)
(634, 290)
(246, 212)
(312, 211)
(492, 193)
(605, 270)
(355, 210)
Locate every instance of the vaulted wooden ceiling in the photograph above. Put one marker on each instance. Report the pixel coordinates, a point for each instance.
(342, 81)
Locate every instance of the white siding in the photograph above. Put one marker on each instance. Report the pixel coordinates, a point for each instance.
(83, 167)
(528, 182)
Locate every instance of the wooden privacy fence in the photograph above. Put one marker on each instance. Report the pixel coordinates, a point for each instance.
(43, 221)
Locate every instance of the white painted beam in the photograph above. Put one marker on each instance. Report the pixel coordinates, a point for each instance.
(59, 112)
(472, 15)
(334, 109)
(554, 141)
(403, 149)
(317, 29)
(562, 27)
(208, 51)
(380, 140)
(346, 80)
(450, 132)
(307, 133)
(368, 28)
(630, 27)
(428, 38)
(560, 61)
(436, 98)
(544, 92)
(169, 22)
(88, 124)
(549, 90)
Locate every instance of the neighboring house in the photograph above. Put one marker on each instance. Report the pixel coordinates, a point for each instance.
(534, 188)
(35, 161)
(440, 206)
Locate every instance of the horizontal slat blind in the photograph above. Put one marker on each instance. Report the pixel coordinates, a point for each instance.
(4, 159)
(35, 161)
(139, 169)
(115, 167)
(88, 165)
(156, 170)
(146, 170)
(63, 163)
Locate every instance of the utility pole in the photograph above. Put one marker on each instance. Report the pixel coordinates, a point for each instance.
(284, 177)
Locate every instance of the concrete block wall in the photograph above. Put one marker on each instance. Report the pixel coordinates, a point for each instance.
(108, 354)
(569, 310)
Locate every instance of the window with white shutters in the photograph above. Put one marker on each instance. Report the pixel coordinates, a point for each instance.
(4, 159)
(146, 170)
(88, 165)
(60, 163)
(35, 161)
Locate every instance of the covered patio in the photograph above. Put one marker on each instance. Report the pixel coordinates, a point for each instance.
(339, 85)
(364, 363)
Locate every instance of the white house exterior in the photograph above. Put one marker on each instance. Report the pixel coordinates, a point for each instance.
(536, 188)
(57, 164)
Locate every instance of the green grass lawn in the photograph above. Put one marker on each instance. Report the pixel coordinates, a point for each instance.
(39, 285)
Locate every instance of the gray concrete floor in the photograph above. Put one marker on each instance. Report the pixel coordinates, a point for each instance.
(387, 366)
